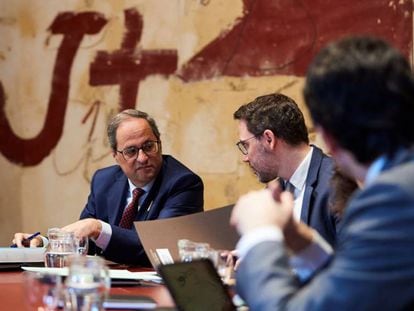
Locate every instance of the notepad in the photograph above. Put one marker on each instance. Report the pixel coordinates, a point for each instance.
(21, 254)
(121, 274)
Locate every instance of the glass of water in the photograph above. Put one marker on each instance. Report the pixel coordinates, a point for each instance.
(43, 291)
(82, 245)
(189, 250)
(87, 283)
(61, 245)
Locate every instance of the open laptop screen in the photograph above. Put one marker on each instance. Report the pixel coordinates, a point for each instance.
(196, 285)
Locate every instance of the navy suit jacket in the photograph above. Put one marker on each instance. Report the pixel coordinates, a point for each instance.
(315, 210)
(373, 266)
(176, 191)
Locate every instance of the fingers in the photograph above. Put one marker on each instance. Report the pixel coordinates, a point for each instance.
(259, 208)
(85, 228)
(287, 204)
(36, 242)
(275, 189)
(19, 237)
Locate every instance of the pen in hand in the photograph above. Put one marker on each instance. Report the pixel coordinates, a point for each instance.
(26, 240)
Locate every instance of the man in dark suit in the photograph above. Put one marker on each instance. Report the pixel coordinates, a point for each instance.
(167, 189)
(360, 93)
(274, 142)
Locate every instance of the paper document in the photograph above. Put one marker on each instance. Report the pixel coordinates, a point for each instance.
(21, 254)
(123, 274)
(133, 302)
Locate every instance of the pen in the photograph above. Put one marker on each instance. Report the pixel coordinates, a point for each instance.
(27, 239)
(149, 207)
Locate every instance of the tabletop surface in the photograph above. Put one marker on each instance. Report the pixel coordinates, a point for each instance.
(13, 291)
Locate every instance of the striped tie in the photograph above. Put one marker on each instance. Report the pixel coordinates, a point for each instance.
(131, 210)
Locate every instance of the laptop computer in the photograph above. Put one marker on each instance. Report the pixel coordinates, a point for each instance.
(212, 226)
(196, 285)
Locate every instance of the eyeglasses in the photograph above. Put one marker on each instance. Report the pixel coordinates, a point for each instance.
(150, 147)
(243, 146)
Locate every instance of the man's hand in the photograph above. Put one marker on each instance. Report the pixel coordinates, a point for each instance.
(20, 239)
(259, 209)
(89, 227)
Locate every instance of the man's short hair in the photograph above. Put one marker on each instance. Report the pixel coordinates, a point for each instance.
(278, 113)
(361, 91)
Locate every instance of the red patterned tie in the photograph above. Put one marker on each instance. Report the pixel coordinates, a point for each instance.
(131, 210)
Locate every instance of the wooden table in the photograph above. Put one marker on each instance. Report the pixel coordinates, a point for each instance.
(12, 291)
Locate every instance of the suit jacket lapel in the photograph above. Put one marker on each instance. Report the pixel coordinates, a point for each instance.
(148, 205)
(311, 178)
(116, 198)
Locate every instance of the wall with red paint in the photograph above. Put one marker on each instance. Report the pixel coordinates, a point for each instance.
(67, 66)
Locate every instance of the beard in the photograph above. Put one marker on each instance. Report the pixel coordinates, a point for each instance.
(263, 176)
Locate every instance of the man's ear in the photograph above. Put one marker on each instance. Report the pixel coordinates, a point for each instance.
(269, 138)
(114, 154)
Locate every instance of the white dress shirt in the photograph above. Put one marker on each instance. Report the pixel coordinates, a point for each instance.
(298, 180)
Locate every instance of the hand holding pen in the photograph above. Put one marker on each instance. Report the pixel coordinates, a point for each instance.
(24, 238)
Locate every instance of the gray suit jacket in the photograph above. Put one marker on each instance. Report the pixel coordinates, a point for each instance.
(373, 266)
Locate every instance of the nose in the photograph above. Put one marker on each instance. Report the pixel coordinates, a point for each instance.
(142, 156)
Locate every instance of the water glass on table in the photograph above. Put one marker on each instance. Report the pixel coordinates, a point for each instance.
(87, 283)
(43, 290)
(222, 259)
(61, 245)
(82, 245)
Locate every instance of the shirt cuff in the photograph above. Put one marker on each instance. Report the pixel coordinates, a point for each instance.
(45, 241)
(311, 258)
(256, 236)
(105, 236)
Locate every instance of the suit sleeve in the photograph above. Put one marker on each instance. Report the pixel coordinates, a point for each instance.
(185, 197)
(89, 211)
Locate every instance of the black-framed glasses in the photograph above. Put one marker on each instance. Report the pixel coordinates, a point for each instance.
(150, 147)
(241, 144)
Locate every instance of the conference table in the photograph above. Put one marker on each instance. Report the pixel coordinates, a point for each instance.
(13, 291)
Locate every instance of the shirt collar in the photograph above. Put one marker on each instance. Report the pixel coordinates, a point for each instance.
(375, 169)
(146, 188)
(298, 178)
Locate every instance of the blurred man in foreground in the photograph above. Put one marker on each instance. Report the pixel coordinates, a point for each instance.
(360, 93)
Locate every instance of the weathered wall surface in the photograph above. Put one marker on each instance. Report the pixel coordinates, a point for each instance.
(66, 66)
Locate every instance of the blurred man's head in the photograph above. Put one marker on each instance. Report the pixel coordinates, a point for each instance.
(360, 91)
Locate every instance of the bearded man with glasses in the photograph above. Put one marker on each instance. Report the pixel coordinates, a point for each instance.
(274, 142)
(166, 187)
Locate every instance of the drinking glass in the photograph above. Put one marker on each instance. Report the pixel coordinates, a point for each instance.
(82, 245)
(43, 290)
(87, 283)
(61, 245)
(189, 250)
(224, 263)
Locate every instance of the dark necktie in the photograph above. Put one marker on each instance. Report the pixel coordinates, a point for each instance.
(289, 187)
(131, 210)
